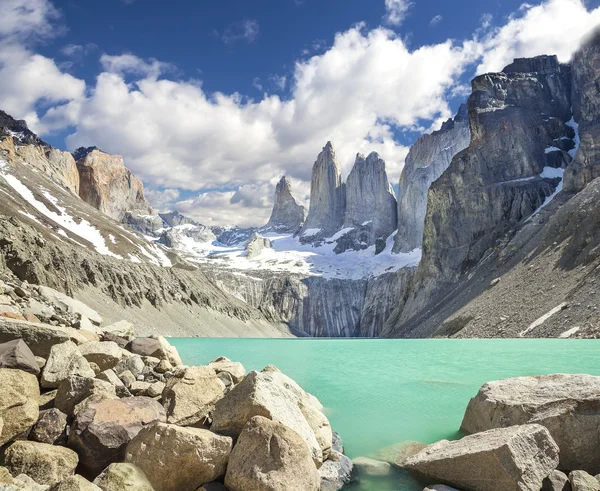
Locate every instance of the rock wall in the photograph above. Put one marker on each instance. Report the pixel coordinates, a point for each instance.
(107, 185)
(428, 158)
(287, 215)
(327, 197)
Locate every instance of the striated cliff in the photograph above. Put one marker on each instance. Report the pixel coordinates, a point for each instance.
(427, 159)
(107, 185)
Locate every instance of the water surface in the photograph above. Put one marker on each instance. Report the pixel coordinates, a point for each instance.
(381, 392)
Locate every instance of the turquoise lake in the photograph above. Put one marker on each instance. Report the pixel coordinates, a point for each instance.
(381, 392)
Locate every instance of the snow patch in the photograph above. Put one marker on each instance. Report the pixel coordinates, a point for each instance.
(311, 232)
(339, 234)
(570, 332)
(577, 140)
(543, 319)
(112, 238)
(552, 149)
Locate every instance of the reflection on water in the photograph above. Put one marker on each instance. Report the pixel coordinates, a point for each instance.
(382, 392)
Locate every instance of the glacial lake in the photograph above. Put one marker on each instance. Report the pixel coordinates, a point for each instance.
(381, 392)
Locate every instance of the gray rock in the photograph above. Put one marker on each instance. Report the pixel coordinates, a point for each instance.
(287, 215)
(105, 354)
(337, 472)
(75, 483)
(256, 245)
(16, 354)
(269, 455)
(568, 405)
(370, 199)
(111, 377)
(146, 347)
(19, 397)
(76, 389)
(124, 329)
(69, 304)
(556, 481)
(503, 459)
(327, 198)
(582, 481)
(123, 477)
(212, 486)
(198, 455)
(428, 158)
(133, 364)
(51, 428)
(372, 467)
(234, 368)
(64, 361)
(29, 484)
(103, 428)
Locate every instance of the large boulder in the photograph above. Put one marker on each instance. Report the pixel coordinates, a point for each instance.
(233, 368)
(190, 396)
(124, 329)
(175, 458)
(371, 467)
(16, 354)
(38, 337)
(269, 456)
(502, 459)
(64, 361)
(568, 405)
(133, 364)
(269, 395)
(556, 481)
(45, 464)
(103, 428)
(171, 351)
(105, 354)
(337, 472)
(146, 347)
(582, 481)
(76, 389)
(123, 477)
(19, 398)
(69, 304)
(75, 483)
(50, 428)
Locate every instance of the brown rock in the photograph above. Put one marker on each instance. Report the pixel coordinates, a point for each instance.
(269, 456)
(75, 483)
(76, 389)
(146, 347)
(105, 354)
(50, 428)
(19, 397)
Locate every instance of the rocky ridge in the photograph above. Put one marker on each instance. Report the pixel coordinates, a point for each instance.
(94, 408)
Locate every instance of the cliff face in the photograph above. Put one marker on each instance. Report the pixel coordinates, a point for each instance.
(327, 197)
(519, 146)
(370, 200)
(287, 215)
(586, 114)
(107, 185)
(428, 158)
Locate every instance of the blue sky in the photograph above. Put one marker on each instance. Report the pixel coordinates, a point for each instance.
(211, 101)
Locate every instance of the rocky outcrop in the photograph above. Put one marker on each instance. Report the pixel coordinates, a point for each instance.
(370, 201)
(174, 219)
(567, 405)
(506, 459)
(107, 185)
(427, 159)
(287, 215)
(18, 129)
(256, 245)
(327, 198)
(586, 115)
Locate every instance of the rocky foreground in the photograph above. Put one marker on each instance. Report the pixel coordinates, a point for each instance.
(92, 407)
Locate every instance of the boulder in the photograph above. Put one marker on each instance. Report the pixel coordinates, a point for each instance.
(396, 454)
(271, 456)
(103, 428)
(29, 484)
(568, 405)
(171, 351)
(372, 467)
(212, 486)
(47, 399)
(69, 304)
(139, 388)
(16, 354)
(337, 472)
(111, 377)
(122, 329)
(76, 389)
(190, 396)
(336, 443)
(556, 481)
(105, 354)
(121, 341)
(123, 477)
(6, 476)
(582, 481)
(199, 456)
(146, 347)
(45, 464)
(518, 457)
(38, 337)
(19, 398)
(156, 389)
(127, 378)
(64, 361)
(75, 483)
(50, 428)
(233, 368)
(264, 394)
(133, 364)
(320, 426)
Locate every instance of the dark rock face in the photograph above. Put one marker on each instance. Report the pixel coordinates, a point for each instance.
(370, 199)
(586, 113)
(327, 198)
(16, 354)
(496, 183)
(17, 128)
(428, 158)
(287, 216)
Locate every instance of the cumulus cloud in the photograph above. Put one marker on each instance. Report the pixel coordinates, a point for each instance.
(396, 11)
(32, 19)
(359, 92)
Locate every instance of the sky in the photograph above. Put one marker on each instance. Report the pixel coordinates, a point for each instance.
(210, 102)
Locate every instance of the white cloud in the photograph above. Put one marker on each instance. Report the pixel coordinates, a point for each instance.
(396, 11)
(131, 64)
(24, 20)
(436, 20)
(162, 200)
(246, 30)
(553, 27)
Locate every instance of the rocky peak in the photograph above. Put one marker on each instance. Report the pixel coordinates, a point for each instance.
(327, 197)
(109, 186)
(174, 218)
(81, 152)
(256, 245)
(427, 159)
(541, 65)
(287, 215)
(18, 129)
(370, 199)
(586, 115)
